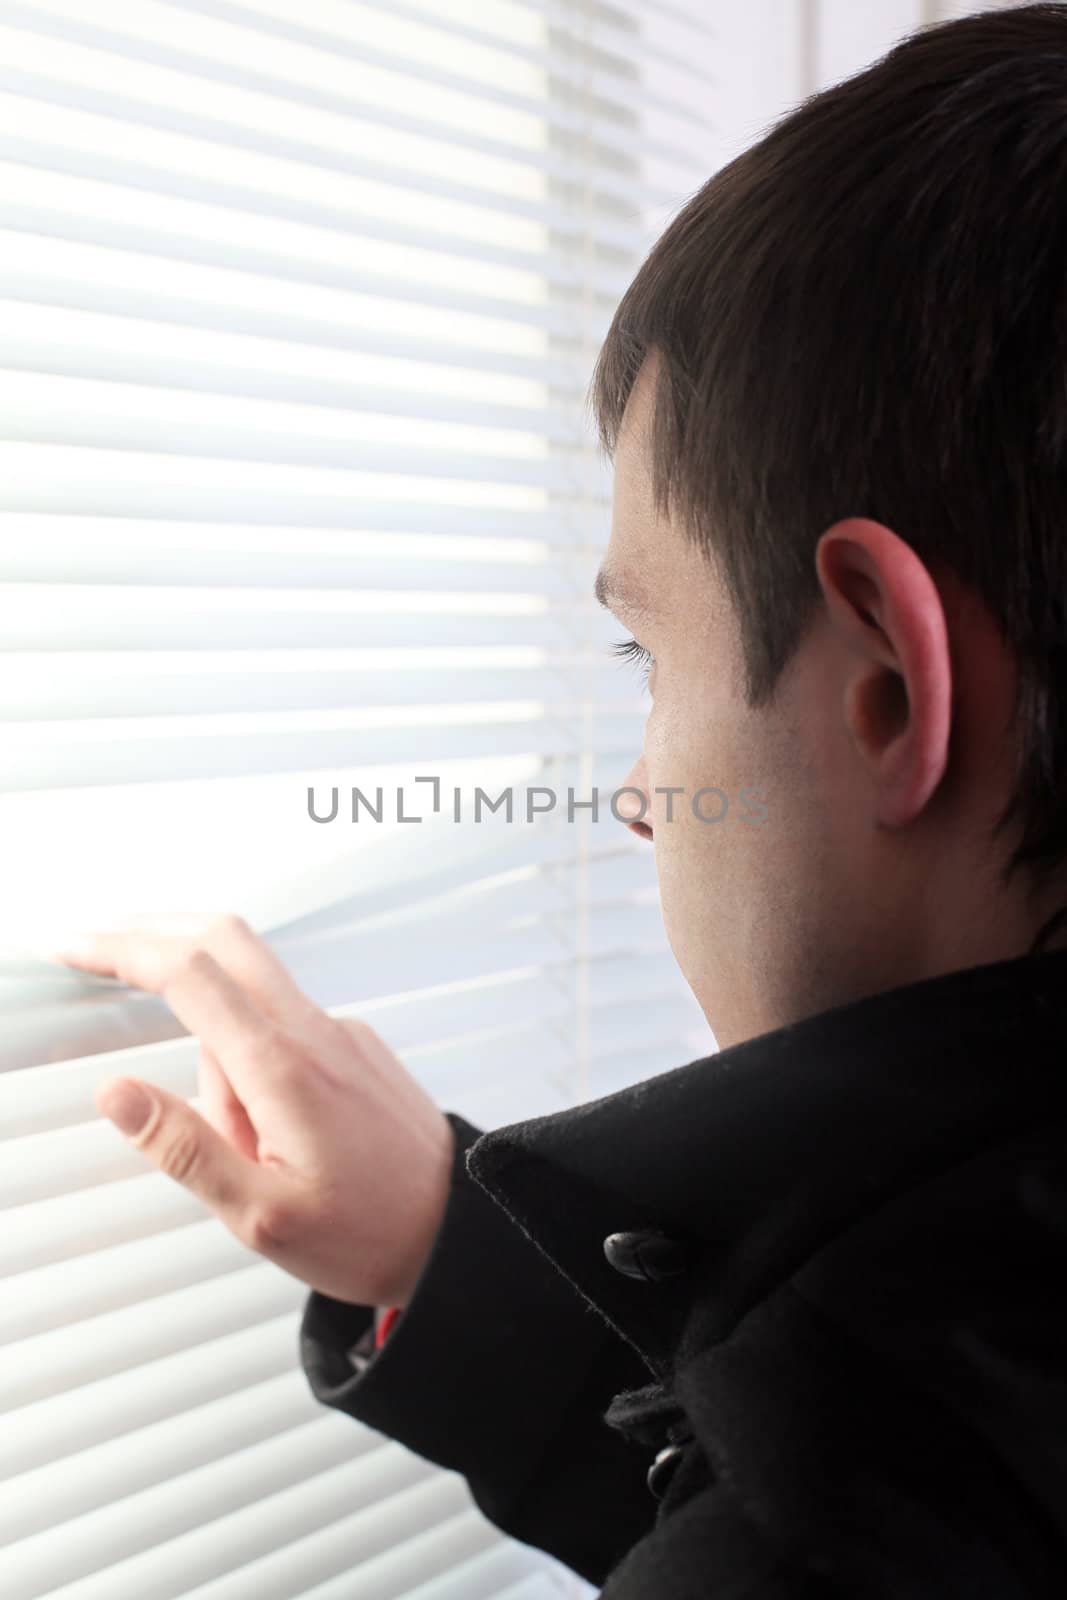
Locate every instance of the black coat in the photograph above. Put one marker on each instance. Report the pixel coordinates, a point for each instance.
(851, 1341)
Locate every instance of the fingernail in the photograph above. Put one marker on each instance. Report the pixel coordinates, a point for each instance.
(127, 1105)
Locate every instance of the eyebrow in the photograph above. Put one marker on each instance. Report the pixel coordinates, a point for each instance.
(615, 594)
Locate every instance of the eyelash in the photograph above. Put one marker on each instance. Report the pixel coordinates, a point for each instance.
(630, 650)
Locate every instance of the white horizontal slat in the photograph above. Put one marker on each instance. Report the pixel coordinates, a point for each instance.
(609, 84)
(516, 877)
(501, 238)
(436, 1520)
(496, 950)
(147, 487)
(152, 374)
(255, 1499)
(499, 130)
(72, 1224)
(205, 619)
(277, 256)
(100, 1477)
(64, 686)
(281, 264)
(81, 494)
(231, 304)
(87, 734)
(84, 550)
(483, 1576)
(57, 409)
(467, 862)
(88, 1285)
(508, 907)
(71, 616)
(483, 39)
(80, 84)
(500, 1057)
(67, 74)
(300, 348)
(453, 217)
(88, 1415)
(465, 1546)
(311, 1524)
(507, 333)
(418, 1021)
(76, 1025)
(41, 1165)
(534, 1587)
(417, 40)
(116, 1341)
(278, 450)
(90, 81)
(459, 1070)
(124, 751)
(507, 903)
(56, 306)
(283, 60)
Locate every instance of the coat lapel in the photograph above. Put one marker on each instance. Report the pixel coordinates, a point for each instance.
(759, 1155)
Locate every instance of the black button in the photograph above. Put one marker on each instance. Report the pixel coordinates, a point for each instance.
(646, 1253)
(662, 1469)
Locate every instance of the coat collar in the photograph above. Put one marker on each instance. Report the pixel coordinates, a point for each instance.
(760, 1154)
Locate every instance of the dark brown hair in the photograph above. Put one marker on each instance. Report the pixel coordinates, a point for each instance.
(865, 314)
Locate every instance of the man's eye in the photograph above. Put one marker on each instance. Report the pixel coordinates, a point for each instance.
(630, 650)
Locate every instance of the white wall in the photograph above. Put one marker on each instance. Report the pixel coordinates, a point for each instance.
(774, 52)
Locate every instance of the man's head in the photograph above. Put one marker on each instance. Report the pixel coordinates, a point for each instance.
(836, 395)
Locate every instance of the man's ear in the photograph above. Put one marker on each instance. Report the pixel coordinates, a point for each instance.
(897, 700)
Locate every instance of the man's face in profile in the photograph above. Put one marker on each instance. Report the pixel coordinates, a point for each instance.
(767, 919)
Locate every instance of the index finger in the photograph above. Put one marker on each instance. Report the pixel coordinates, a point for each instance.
(227, 1021)
(149, 948)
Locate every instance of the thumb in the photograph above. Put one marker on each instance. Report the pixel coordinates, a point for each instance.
(182, 1144)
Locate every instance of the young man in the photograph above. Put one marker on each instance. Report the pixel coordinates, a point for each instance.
(787, 1322)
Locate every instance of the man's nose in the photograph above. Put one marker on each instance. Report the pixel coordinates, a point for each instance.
(631, 804)
(639, 826)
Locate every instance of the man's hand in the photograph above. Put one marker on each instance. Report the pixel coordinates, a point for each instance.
(317, 1148)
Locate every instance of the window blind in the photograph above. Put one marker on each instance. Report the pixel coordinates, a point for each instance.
(298, 303)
